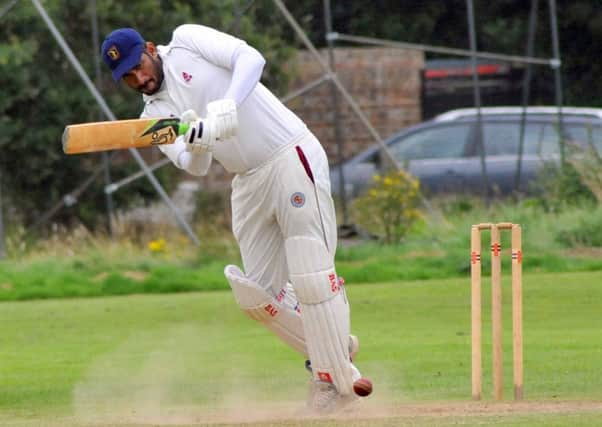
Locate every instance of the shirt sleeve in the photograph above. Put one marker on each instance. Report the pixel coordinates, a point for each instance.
(247, 67)
(226, 51)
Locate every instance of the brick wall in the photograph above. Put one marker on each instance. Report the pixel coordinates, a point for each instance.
(384, 82)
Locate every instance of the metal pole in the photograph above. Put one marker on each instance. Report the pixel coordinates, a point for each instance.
(68, 199)
(2, 247)
(105, 156)
(440, 49)
(526, 91)
(114, 186)
(477, 97)
(346, 96)
(7, 7)
(107, 111)
(234, 26)
(306, 88)
(337, 115)
(557, 77)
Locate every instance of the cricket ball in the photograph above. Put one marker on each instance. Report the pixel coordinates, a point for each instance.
(362, 387)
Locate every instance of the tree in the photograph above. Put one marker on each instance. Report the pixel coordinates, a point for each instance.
(41, 93)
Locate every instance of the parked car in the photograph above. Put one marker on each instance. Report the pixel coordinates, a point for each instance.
(443, 152)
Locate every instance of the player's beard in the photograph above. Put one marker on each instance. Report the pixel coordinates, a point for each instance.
(154, 83)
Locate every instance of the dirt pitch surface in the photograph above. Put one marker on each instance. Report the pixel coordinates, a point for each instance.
(364, 414)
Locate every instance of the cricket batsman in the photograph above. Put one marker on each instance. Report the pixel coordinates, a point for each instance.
(283, 214)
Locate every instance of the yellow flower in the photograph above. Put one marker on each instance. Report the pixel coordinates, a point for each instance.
(387, 181)
(157, 245)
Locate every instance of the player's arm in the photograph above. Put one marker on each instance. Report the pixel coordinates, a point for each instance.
(222, 115)
(246, 64)
(193, 163)
(225, 51)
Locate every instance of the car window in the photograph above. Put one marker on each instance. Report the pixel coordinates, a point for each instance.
(436, 143)
(585, 135)
(503, 138)
(371, 159)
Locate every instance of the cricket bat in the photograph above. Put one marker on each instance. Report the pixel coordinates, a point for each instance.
(121, 134)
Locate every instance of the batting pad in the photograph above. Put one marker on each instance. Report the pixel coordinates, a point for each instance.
(311, 269)
(324, 311)
(281, 315)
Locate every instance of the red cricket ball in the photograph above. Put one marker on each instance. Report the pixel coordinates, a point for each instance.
(362, 387)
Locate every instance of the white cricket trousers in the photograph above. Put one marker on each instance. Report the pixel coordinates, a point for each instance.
(278, 200)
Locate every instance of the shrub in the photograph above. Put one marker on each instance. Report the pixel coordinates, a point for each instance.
(390, 206)
(586, 232)
(560, 186)
(587, 163)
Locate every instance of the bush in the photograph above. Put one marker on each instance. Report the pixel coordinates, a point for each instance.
(560, 186)
(587, 163)
(587, 232)
(390, 206)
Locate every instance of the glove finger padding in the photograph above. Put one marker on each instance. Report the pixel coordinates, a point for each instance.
(221, 124)
(191, 118)
(200, 136)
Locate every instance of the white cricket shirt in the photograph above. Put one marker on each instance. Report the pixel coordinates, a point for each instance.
(197, 66)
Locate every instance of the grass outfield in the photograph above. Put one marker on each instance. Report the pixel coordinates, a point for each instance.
(194, 359)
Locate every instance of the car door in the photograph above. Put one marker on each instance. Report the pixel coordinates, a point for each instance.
(435, 155)
(358, 174)
(502, 138)
(584, 135)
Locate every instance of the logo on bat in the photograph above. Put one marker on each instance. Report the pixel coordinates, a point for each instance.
(162, 131)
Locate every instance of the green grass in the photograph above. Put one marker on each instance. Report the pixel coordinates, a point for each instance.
(80, 265)
(153, 359)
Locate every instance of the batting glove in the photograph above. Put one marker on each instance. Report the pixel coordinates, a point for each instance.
(200, 136)
(224, 114)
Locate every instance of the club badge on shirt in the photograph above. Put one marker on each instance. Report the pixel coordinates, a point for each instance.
(187, 77)
(298, 199)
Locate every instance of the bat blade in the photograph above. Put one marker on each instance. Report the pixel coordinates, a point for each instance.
(120, 134)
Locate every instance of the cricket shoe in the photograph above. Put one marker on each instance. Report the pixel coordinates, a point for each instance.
(324, 399)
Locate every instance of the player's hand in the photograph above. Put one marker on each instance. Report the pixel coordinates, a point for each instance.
(223, 113)
(200, 136)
